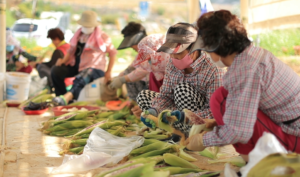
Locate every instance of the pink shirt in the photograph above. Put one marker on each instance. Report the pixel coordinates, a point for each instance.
(98, 44)
(257, 80)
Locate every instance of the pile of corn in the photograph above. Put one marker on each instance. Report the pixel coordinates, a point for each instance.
(156, 158)
(77, 126)
(42, 96)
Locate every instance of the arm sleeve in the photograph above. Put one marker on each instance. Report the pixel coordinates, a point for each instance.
(137, 74)
(55, 56)
(165, 99)
(110, 49)
(242, 103)
(214, 82)
(28, 56)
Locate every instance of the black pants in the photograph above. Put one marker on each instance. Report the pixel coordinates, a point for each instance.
(45, 71)
(59, 73)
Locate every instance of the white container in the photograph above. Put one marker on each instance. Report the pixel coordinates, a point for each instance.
(2, 87)
(90, 92)
(17, 86)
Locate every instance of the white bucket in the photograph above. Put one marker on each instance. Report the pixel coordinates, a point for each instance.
(90, 92)
(2, 87)
(17, 86)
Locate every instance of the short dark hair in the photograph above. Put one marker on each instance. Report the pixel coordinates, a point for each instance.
(56, 33)
(133, 28)
(223, 27)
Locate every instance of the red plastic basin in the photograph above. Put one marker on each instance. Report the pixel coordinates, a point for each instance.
(34, 112)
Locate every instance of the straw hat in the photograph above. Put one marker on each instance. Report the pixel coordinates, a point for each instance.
(88, 19)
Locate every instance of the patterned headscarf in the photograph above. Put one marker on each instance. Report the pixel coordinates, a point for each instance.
(150, 60)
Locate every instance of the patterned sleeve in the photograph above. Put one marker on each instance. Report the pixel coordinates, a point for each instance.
(137, 74)
(110, 49)
(165, 99)
(28, 56)
(244, 91)
(214, 82)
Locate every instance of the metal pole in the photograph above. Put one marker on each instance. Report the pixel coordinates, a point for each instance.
(2, 36)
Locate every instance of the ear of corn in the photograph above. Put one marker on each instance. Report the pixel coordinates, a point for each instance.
(83, 114)
(158, 137)
(163, 125)
(167, 149)
(39, 94)
(151, 147)
(155, 159)
(157, 173)
(65, 132)
(117, 116)
(136, 170)
(277, 164)
(89, 129)
(149, 141)
(177, 161)
(104, 114)
(70, 125)
(115, 127)
(42, 98)
(207, 153)
(186, 156)
(237, 161)
(116, 132)
(80, 142)
(120, 134)
(179, 170)
(108, 125)
(76, 150)
(156, 132)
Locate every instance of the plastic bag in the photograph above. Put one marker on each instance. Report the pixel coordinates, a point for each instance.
(37, 84)
(266, 145)
(102, 148)
(228, 172)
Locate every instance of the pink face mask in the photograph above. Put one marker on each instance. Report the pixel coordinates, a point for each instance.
(183, 63)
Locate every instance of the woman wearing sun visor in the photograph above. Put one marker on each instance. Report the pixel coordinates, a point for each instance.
(259, 94)
(136, 79)
(149, 60)
(190, 79)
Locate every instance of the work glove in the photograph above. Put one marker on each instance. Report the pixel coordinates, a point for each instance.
(182, 124)
(195, 142)
(150, 123)
(117, 82)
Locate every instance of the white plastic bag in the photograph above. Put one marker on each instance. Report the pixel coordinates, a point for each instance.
(228, 172)
(102, 148)
(37, 84)
(266, 145)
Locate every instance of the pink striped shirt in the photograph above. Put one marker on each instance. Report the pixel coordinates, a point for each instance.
(257, 80)
(206, 78)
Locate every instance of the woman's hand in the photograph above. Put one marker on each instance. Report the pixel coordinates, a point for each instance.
(136, 111)
(59, 62)
(107, 77)
(19, 65)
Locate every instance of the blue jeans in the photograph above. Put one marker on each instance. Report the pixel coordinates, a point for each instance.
(82, 78)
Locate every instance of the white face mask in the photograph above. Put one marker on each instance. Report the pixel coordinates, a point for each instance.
(219, 63)
(86, 30)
